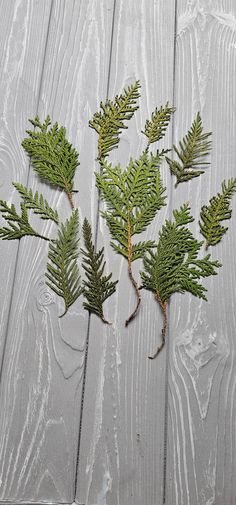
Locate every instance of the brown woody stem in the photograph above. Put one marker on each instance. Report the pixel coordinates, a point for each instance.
(163, 306)
(70, 197)
(105, 320)
(134, 283)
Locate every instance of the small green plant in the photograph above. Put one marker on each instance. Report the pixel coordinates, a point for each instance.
(97, 287)
(192, 149)
(133, 196)
(62, 270)
(218, 210)
(174, 266)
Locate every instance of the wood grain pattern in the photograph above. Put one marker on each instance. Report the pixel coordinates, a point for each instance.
(122, 443)
(55, 58)
(23, 29)
(43, 366)
(202, 406)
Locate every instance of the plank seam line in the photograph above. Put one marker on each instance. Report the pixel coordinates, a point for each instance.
(27, 182)
(165, 445)
(89, 317)
(24, 502)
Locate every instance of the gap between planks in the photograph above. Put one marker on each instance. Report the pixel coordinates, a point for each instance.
(10, 502)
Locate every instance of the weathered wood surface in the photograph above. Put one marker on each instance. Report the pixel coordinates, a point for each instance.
(201, 463)
(23, 28)
(42, 371)
(61, 58)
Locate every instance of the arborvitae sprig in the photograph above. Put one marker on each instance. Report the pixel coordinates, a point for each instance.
(37, 203)
(18, 224)
(109, 122)
(62, 269)
(155, 128)
(97, 287)
(217, 211)
(192, 149)
(51, 154)
(174, 267)
(133, 197)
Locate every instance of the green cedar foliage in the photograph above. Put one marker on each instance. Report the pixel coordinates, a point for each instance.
(109, 122)
(155, 128)
(133, 197)
(191, 153)
(175, 266)
(37, 203)
(52, 156)
(62, 269)
(217, 211)
(18, 224)
(97, 287)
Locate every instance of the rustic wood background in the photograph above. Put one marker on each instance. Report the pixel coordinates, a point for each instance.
(84, 415)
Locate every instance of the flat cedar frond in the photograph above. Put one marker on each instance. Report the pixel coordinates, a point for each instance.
(155, 128)
(217, 211)
(109, 122)
(37, 203)
(132, 197)
(98, 287)
(192, 149)
(18, 224)
(62, 269)
(51, 154)
(175, 267)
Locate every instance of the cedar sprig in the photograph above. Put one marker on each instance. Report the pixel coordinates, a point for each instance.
(155, 128)
(18, 224)
(97, 287)
(109, 121)
(37, 203)
(175, 266)
(52, 156)
(133, 197)
(217, 211)
(191, 153)
(62, 268)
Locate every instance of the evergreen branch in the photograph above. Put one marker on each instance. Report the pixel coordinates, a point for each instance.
(217, 211)
(192, 149)
(18, 224)
(109, 122)
(98, 287)
(52, 156)
(175, 267)
(155, 128)
(37, 203)
(62, 269)
(132, 197)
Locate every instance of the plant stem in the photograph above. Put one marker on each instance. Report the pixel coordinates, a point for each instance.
(104, 320)
(41, 236)
(163, 306)
(70, 197)
(134, 283)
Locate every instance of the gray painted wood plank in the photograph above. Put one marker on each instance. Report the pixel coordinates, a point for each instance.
(23, 32)
(122, 443)
(202, 403)
(43, 366)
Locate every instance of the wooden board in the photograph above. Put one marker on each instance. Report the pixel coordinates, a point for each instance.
(61, 58)
(23, 29)
(44, 356)
(201, 462)
(122, 441)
